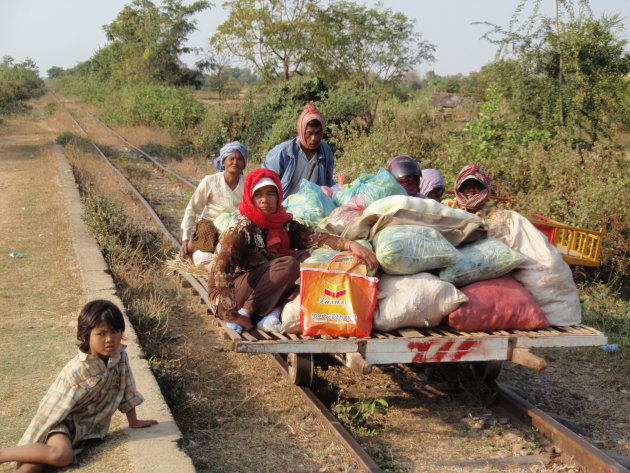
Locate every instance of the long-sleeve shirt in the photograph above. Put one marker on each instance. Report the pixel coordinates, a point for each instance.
(212, 197)
(242, 247)
(86, 393)
(290, 162)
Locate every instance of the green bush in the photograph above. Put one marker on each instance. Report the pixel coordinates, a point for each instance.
(173, 108)
(18, 83)
(400, 128)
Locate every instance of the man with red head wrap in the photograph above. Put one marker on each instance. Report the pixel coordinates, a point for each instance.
(305, 156)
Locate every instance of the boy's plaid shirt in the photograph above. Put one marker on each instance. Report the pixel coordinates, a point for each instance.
(85, 394)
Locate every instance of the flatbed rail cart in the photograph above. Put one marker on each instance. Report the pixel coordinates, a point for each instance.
(484, 350)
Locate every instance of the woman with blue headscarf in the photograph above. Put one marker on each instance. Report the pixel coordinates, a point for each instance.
(216, 193)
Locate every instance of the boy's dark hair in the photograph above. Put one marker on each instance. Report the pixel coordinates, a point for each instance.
(314, 123)
(92, 314)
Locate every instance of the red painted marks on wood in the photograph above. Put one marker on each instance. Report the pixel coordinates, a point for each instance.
(441, 351)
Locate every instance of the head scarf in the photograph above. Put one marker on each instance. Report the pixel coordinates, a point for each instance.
(476, 201)
(309, 113)
(431, 179)
(227, 150)
(277, 236)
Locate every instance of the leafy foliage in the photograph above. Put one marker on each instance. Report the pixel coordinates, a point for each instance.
(18, 83)
(358, 416)
(272, 35)
(146, 41)
(572, 72)
(367, 45)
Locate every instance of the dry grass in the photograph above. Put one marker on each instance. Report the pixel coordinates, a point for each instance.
(41, 292)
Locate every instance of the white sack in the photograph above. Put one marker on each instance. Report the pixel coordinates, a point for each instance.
(290, 317)
(418, 300)
(393, 203)
(544, 273)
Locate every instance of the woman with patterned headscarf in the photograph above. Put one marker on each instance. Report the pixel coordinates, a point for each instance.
(305, 156)
(257, 261)
(216, 193)
(472, 191)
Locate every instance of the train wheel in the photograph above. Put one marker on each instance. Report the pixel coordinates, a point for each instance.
(487, 371)
(301, 367)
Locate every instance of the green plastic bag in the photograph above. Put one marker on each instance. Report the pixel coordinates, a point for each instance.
(481, 260)
(410, 249)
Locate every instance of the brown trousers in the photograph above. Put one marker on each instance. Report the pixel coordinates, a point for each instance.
(270, 285)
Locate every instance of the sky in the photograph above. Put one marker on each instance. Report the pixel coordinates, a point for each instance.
(65, 32)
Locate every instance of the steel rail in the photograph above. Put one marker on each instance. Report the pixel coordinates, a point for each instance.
(156, 218)
(585, 454)
(159, 165)
(179, 177)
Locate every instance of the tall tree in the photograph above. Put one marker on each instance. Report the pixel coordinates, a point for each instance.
(147, 41)
(367, 45)
(271, 35)
(572, 68)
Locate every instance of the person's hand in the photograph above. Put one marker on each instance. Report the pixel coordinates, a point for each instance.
(184, 251)
(368, 255)
(141, 424)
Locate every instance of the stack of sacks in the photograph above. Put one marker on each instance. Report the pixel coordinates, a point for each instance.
(310, 205)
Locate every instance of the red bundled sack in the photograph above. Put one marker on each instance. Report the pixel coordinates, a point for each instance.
(497, 304)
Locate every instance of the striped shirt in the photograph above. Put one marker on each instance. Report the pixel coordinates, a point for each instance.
(85, 396)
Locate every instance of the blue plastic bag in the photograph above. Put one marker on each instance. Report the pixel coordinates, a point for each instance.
(309, 205)
(371, 186)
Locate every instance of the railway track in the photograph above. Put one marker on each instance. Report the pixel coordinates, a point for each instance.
(508, 402)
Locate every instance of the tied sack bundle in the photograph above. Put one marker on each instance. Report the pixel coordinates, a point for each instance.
(418, 300)
(497, 304)
(410, 249)
(337, 298)
(481, 260)
(205, 237)
(544, 273)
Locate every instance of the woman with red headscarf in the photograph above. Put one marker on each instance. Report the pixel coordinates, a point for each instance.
(472, 191)
(305, 156)
(257, 261)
